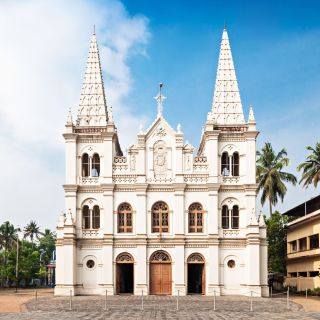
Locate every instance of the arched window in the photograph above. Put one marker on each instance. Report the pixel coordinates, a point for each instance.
(85, 217)
(235, 217)
(124, 218)
(160, 217)
(235, 164)
(195, 218)
(95, 169)
(225, 165)
(85, 165)
(96, 217)
(225, 217)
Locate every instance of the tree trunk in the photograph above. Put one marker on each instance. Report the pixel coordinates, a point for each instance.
(270, 208)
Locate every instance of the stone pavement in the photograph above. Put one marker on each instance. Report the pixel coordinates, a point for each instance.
(160, 307)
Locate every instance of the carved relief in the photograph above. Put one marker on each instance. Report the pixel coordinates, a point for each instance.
(160, 158)
(160, 132)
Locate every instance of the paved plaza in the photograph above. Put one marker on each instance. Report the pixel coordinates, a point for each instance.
(160, 307)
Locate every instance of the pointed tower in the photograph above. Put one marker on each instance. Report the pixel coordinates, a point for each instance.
(93, 107)
(226, 106)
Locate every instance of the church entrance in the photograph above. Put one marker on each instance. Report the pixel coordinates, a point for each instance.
(160, 273)
(124, 274)
(196, 274)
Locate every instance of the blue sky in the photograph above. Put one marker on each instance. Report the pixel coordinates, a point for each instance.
(43, 50)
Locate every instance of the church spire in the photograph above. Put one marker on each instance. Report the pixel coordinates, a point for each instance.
(93, 107)
(226, 106)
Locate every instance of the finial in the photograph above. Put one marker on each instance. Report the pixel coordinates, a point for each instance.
(110, 114)
(160, 98)
(225, 25)
(94, 29)
(251, 115)
(179, 128)
(69, 117)
(141, 129)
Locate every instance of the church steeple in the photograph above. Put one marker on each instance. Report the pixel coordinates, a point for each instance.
(93, 107)
(226, 105)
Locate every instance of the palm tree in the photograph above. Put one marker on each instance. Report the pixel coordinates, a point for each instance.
(270, 177)
(32, 230)
(8, 238)
(311, 167)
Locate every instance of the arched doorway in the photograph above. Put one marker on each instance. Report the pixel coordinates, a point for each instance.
(196, 274)
(160, 273)
(124, 273)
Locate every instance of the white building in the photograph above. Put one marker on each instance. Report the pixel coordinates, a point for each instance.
(161, 219)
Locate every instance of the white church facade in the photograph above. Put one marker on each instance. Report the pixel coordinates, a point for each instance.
(164, 218)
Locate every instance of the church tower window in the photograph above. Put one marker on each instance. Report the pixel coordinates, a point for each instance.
(195, 218)
(235, 217)
(225, 217)
(95, 169)
(124, 218)
(160, 217)
(85, 217)
(235, 164)
(85, 165)
(96, 217)
(225, 164)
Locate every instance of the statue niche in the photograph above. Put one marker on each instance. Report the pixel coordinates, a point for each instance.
(160, 159)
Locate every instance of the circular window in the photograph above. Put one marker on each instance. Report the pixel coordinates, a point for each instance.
(90, 264)
(231, 264)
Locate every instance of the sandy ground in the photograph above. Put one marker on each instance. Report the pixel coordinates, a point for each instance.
(10, 301)
(311, 304)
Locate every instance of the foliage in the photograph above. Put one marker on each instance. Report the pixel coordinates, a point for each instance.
(32, 230)
(311, 167)
(33, 255)
(270, 177)
(277, 241)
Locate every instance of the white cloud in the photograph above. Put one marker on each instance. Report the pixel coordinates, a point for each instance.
(43, 51)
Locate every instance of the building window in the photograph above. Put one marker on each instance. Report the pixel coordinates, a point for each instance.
(96, 217)
(235, 164)
(195, 218)
(160, 217)
(85, 165)
(90, 264)
(225, 164)
(231, 264)
(303, 274)
(95, 169)
(314, 273)
(302, 244)
(314, 241)
(235, 217)
(85, 217)
(124, 218)
(225, 217)
(293, 246)
(293, 274)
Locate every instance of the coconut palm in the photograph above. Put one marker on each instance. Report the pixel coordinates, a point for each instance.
(8, 238)
(270, 177)
(311, 167)
(32, 230)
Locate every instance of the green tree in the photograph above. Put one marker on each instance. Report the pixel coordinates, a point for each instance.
(311, 167)
(277, 242)
(270, 175)
(32, 231)
(8, 238)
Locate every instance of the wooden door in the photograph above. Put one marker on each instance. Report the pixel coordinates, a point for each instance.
(160, 278)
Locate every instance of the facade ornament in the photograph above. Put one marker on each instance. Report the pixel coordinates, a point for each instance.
(69, 219)
(179, 128)
(253, 218)
(251, 118)
(133, 162)
(160, 98)
(61, 220)
(262, 222)
(160, 132)
(160, 161)
(69, 118)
